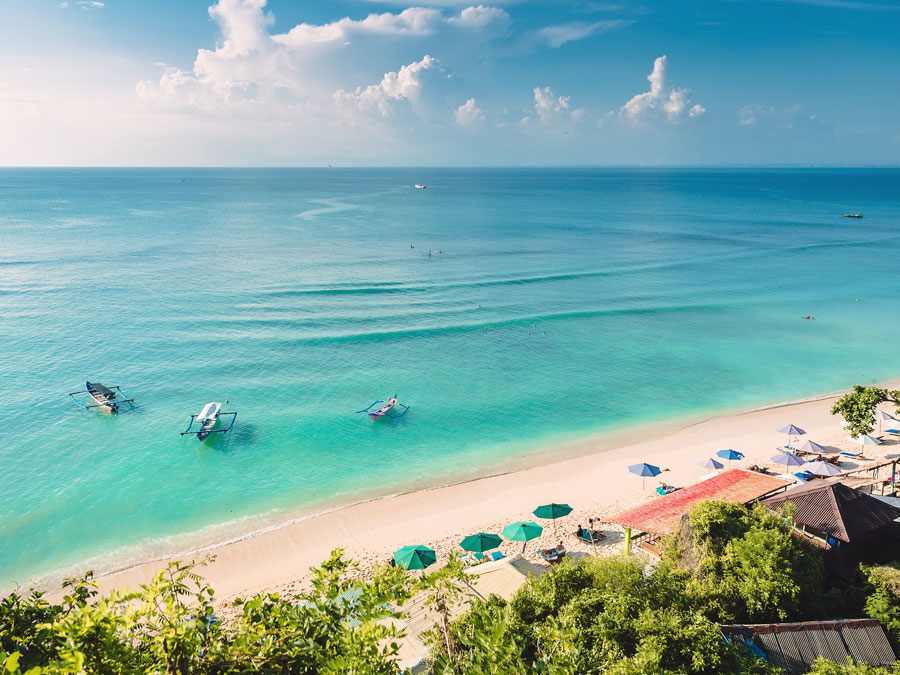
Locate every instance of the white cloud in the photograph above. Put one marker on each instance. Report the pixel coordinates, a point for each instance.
(557, 36)
(414, 21)
(480, 17)
(551, 109)
(253, 65)
(402, 85)
(673, 102)
(469, 114)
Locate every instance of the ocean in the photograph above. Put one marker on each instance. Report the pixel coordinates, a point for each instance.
(512, 310)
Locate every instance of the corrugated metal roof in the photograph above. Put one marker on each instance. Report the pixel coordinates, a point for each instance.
(662, 515)
(794, 646)
(830, 507)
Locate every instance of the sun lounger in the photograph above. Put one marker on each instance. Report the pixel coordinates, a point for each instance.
(893, 432)
(591, 536)
(663, 490)
(553, 555)
(804, 475)
(497, 555)
(851, 453)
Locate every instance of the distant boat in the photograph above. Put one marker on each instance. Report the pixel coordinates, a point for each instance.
(854, 214)
(420, 186)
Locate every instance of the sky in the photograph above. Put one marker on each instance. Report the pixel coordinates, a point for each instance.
(449, 82)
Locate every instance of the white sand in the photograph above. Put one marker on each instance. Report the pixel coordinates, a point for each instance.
(596, 483)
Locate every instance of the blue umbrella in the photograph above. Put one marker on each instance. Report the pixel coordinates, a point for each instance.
(812, 446)
(791, 430)
(728, 453)
(787, 458)
(712, 464)
(643, 470)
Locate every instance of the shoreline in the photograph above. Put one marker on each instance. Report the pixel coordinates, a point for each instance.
(207, 539)
(368, 529)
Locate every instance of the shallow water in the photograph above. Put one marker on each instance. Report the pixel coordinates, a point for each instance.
(554, 303)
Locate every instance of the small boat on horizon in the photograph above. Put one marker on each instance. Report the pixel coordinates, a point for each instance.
(853, 214)
(420, 186)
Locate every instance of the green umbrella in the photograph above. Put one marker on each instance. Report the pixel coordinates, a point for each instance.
(481, 542)
(524, 530)
(415, 557)
(552, 512)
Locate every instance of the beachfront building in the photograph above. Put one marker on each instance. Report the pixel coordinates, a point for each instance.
(848, 525)
(794, 646)
(648, 523)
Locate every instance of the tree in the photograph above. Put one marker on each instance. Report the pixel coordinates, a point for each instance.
(883, 600)
(745, 563)
(344, 624)
(858, 407)
(823, 666)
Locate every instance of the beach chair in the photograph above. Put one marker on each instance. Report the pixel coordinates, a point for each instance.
(663, 490)
(804, 475)
(591, 536)
(892, 432)
(497, 555)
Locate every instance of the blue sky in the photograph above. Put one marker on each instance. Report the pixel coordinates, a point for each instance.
(509, 82)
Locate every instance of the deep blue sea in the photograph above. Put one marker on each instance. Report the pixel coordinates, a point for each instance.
(554, 304)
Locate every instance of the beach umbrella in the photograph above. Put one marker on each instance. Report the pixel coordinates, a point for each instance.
(552, 512)
(822, 468)
(523, 530)
(786, 458)
(728, 453)
(865, 439)
(812, 446)
(791, 430)
(415, 557)
(712, 464)
(480, 542)
(643, 470)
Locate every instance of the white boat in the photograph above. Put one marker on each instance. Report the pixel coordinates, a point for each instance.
(204, 422)
(420, 186)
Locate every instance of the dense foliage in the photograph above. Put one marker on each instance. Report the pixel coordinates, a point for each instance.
(883, 601)
(342, 625)
(727, 564)
(858, 407)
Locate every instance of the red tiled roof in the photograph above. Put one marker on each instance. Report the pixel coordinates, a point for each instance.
(662, 515)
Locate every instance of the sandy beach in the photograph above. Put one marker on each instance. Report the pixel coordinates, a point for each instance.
(596, 484)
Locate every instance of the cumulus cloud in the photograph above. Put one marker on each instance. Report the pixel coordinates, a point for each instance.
(468, 114)
(403, 85)
(672, 102)
(552, 110)
(557, 36)
(414, 21)
(252, 64)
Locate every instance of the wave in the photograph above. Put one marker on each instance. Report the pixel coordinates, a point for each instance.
(523, 321)
(389, 287)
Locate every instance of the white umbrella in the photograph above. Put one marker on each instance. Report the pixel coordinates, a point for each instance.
(812, 446)
(822, 469)
(865, 439)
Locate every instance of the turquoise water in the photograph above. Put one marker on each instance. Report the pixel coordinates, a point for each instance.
(555, 303)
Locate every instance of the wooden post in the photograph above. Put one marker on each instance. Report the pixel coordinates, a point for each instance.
(627, 541)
